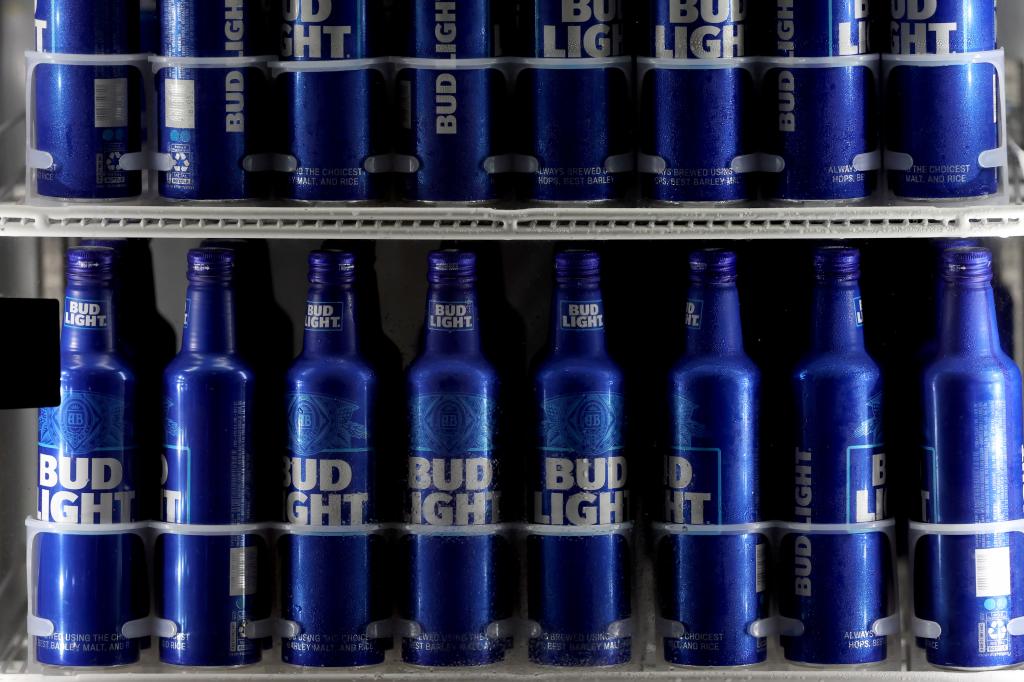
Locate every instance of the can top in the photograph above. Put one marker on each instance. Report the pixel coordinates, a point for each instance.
(91, 262)
(330, 266)
(451, 266)
(837, 264)
(712, 266)
(967, 264)
(577, 264)
(210, 264)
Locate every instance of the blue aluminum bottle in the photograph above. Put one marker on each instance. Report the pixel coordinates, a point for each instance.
(715, 585)
(209, 28)
(697, 120)
(971, 585)
(451, 122)
(88, 586)
(579, 585)
(837, 584)
(212, 586)
(575, 119)
(331, 153)
(457, 584)
(943, 27)
(329, 481)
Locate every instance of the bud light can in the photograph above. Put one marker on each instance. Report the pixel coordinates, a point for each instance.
(697, 141)
(332, 158)
(942, 26)
(88, 586)
(87, 26)
(451, 101)
(574, 103)
(209, 28)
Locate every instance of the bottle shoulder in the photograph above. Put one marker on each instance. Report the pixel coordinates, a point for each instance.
(968, 368)
(558, 366)
(95, 364)
(311, 369)
(730, 366)
(190, 364)
(836, 365)
(451, 374)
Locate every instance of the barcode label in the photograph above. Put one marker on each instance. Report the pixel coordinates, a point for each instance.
(110, 102)
(243, 571)
(180, 104)
(992, 572)
(759, 566)
(405, 103)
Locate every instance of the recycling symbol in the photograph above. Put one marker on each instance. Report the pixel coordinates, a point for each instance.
(181, 162)
(114, 161)
(997, 629)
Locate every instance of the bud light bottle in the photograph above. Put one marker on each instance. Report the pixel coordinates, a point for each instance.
(211, 584)
(89, 586)
(579, 481)
(837, 585)
(456, 592)
(971, 585)
(713, 584)
(329, 483)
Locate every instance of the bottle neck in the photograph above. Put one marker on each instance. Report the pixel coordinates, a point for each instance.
(838, 321)
(713, 324)
(969, 320)
(452, 326)
(577, 318)
(89, 323)
(330, 321)
(209, 319)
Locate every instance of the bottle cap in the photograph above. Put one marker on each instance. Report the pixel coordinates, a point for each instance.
(332, 267)
(451, 266)
(837, 264)
(712, 266)
(210, 264)
(91, 262)
(577, 264)
(967, 264)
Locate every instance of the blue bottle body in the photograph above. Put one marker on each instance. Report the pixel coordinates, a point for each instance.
(89, 585)
(212, 586)
(87, 26)
(714, 585)
(330, 482)
(971, 473)
(453, 485)
(579, 585)
(837, 584)
(942, 27)
(201, 28)
(211, 120)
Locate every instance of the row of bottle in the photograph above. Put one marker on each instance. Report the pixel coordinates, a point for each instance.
(835, 593)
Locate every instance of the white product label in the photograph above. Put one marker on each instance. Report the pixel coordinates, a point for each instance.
(759, 568)
(243, 571)
(180, 104)
(992, 572)
(110, 100)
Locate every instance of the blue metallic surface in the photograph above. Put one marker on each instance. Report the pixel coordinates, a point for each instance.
(210, 28)
(208, 478)
(705, 29)
(86, 475)
(227, 125)
(329, 481)
(839, 584)
(572, 121)
(698, 121)
(818, 120)
(971, 473)
(947, 26)
(579, 586)
(331, 29)
(944, 117)
(574, 30)
(455, 586)
(149, 27)
(713, 584)
(87, 26)
(465, 29)
(87, 144)
(818, 28)
(453, 121)
(331, 151)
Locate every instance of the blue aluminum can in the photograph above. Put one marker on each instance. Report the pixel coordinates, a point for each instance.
(945, 118)
(582, 29)
(820, 123)
(212, 121)
(579, 584)
(838, 585)
(212, 586)
(971, 585)
(450, 122)
(818, 28)
(149, 27)
(210, 28)
(316, 30)
(330, 482)
(453, 485)
(715, 585)
(942, 27)
(87, 26)
(89, 586)
(87, 118)
(694, 29)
